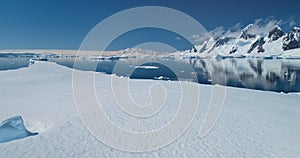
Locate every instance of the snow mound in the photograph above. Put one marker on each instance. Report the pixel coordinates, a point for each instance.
(13, 128)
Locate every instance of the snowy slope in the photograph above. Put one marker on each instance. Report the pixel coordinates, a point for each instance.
(252, 123)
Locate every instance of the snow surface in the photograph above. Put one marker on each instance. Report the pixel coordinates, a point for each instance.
(252, 123)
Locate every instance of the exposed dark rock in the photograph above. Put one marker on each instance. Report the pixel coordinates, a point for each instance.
(275, 34)
(233, 50)
(291, 40)
(194, 50)
(258, 44)
(222, 41)
(246, 36)
(245, 33)
(203, 48)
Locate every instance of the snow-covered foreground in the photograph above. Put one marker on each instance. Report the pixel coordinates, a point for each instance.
(252, 123)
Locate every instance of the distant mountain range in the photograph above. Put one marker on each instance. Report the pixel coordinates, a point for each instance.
(249, 43)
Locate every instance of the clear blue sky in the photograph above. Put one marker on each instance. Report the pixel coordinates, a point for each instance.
(62, 24)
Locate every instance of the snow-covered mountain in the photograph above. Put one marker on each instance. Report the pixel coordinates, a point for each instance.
(292, 39)
(250, 43)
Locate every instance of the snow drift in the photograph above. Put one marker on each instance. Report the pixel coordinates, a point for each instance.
(13, 128)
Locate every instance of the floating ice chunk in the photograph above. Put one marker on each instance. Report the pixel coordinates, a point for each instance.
(161, 78)
(13, 128)
(146, 67)
(34, 60)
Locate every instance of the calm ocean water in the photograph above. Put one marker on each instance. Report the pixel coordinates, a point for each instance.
(270, 75)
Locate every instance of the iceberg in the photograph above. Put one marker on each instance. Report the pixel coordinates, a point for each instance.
(13, 128)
